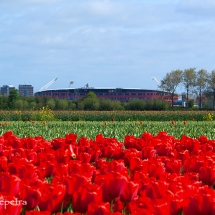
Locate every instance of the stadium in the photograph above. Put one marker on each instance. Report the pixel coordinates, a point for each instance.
(117, 94)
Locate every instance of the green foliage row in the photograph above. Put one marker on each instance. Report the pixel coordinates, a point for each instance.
(117, 130)
(90, 102)
(45, 114)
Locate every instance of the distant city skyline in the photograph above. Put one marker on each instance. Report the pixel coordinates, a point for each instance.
(105, 43)
(24, 90)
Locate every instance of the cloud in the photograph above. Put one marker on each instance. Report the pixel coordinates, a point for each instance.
(197, 7)
(52, 40)
(119, 42)
(103, 8)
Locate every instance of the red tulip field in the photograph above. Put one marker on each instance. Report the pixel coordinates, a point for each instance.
(147, 174)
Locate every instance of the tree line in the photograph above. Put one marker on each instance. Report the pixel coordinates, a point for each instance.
(201, 82)
(90, 102)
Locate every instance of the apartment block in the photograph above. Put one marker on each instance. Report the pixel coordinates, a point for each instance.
(5, 89)
(26, 90)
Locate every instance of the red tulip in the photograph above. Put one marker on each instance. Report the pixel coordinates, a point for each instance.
(58, 143)
(95, 154)
(132, 142)
(207, 175)
(147, 137)
(136, 164)
(84, 157)
(142, 211)
(156, 189)
(161, 207)
(51, 197)
(183, 155)
(84, 143)
(173, 166)
(115, 165)
(9, 184)
(61, 170)
(76, 167)
(11, 205)
(192, 144)
(68, 213)
(175, 202)
(115, 183)
(142, 179)
(156, 169)
(164, 148)
(62, 156)
(112, 185)
(129, 154)
(3, 163)
(143, 205)
(32, 156)
(23, 169)
(91, 193)
(200, 202)
(194, 164)
(29, 143)
(71, 139)
(74, 182)
(130, 192)
(37, 212)
(148, 152)
(98, 209)
(118, 206)
(31, 195)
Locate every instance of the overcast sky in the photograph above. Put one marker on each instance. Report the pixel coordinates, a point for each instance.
(105, 43)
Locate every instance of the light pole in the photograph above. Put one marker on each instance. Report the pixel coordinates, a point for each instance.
(70, 83)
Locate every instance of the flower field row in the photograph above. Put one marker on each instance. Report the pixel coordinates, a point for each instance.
(45, 114)
(114, 129)
(150, 174)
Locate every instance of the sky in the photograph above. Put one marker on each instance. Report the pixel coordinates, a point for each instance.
(103, 43)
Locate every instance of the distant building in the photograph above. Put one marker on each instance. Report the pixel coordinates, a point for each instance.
(5, 90)
(26, 90)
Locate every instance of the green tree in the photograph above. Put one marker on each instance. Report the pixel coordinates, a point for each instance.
(33, 105)
(210, 90)
(80, 105)
(40, 103)
(170, 82)
(51, 104)
(18, 104)
(25, 105)
(3, 102)
(201, 83)
(106, 104)
(91, 101)
(62, 104)
(149, 105)
(12, 98)
(191, 103)
(136, 104)
(27, 102)
(91, 95)
(189, 81)
(71, 105)
(160, 104)
(117, 105)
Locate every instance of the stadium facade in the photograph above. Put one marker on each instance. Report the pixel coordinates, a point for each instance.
(117, 94)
